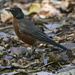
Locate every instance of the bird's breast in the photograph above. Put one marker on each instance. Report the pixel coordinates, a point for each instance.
(25, 38)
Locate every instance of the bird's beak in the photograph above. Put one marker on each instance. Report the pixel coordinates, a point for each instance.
(8, 10)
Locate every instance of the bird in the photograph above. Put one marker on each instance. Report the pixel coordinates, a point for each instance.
(28, 32)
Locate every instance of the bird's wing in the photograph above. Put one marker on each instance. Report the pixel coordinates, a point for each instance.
(28, 27)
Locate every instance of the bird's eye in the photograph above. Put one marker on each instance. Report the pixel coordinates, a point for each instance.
(12, 9)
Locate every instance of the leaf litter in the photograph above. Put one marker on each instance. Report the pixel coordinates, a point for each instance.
(48, 17)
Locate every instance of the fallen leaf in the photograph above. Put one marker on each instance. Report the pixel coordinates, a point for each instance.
(55, 57)
(34, 7)
(11, 73)
(68, 68)
(52, 26)
(43, 73)
(18, 50)
(6, 17)
(4, 36)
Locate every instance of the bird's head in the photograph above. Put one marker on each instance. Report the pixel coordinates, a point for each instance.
(16, 12)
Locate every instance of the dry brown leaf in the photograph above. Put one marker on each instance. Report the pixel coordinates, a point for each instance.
(57, 38)
(48, 10)
(55, 57)
(7, 17)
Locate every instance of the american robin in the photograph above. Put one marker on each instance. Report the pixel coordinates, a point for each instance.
(28, 32)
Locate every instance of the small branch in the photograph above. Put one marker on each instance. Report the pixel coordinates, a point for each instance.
(23, 67)
(40, 67)
(61, 66)
(7, 27)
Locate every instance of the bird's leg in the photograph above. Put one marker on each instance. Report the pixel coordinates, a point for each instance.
(31, 55)
(33, 49)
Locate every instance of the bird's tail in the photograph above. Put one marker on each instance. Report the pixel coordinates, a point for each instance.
(50, 41)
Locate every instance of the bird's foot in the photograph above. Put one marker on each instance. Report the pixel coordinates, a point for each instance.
(33, 56)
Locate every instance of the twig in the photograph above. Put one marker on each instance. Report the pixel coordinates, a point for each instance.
(61, 66)
(23, 67)
(7, 27)
(40, 67)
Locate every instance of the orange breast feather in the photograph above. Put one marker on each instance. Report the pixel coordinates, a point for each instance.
(25, 38)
